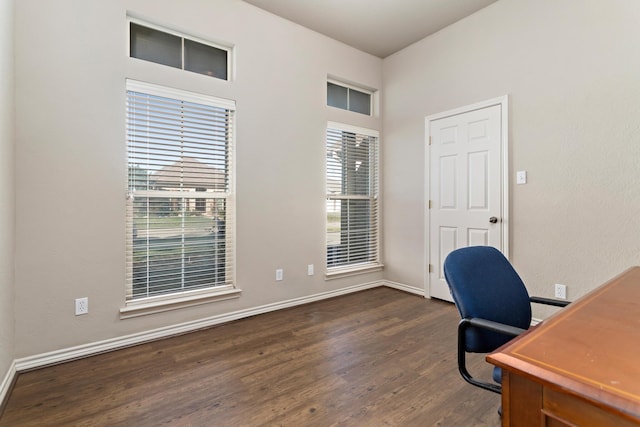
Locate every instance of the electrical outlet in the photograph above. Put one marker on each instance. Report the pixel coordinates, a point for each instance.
(279, 274)
(521, 177)
(561, 291)
(310, 270)
(82, 306)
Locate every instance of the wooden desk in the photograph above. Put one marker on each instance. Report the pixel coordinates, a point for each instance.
(580, 367)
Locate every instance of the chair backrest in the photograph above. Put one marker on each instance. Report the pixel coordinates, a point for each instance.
(485, 285)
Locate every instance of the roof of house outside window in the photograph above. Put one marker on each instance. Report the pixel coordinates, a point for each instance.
(189, 172)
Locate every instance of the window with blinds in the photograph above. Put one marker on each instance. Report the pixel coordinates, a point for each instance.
(179, 207)
(352, 197)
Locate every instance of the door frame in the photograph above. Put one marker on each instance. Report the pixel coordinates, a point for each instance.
(503, 102)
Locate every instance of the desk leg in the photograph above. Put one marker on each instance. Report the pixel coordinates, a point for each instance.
(506, 398)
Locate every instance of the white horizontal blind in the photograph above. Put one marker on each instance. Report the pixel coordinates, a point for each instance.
(352, 197)
(179, 206)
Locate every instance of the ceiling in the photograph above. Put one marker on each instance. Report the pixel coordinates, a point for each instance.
(379, 27)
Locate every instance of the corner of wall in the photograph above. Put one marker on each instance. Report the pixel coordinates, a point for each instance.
(7, 197)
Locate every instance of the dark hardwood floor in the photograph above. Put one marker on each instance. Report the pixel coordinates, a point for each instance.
(375, 358)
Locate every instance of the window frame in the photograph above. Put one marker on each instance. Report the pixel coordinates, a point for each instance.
(183, 36)
(374, 262)
(149, 304)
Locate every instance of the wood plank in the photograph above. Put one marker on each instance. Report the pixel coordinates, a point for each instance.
(377, 357)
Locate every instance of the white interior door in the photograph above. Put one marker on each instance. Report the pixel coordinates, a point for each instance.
(467, 187)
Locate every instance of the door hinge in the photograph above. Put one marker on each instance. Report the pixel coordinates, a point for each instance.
(430, 204)
(430, 268)
(429, 139)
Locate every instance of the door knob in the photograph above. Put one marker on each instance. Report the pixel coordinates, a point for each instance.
(493, 220)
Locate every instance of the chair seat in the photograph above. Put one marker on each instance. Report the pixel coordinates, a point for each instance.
(497, 375)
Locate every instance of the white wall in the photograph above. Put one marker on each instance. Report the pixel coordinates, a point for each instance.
(71, 66)
(572, 71)
(7, 189)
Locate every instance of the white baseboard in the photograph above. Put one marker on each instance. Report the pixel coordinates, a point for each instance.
(5, 387)
(405, 288)
(90, 349)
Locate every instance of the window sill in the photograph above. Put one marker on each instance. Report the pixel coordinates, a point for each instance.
(352, 270)
(163, 303)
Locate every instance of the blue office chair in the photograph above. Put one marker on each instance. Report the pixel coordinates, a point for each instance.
(493, 303)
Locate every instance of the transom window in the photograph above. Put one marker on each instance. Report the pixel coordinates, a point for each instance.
(169, 48)
(352, 197)
(179, 204)
(342, 96)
